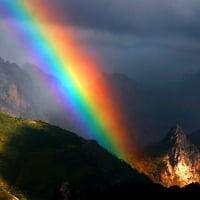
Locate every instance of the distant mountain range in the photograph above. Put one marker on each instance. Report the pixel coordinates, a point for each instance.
(23, 93)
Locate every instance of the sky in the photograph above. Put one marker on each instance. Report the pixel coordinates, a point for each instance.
(151, 40)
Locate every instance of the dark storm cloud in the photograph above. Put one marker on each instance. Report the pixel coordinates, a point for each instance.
(136, 17)
(144, 37)
(133, 16)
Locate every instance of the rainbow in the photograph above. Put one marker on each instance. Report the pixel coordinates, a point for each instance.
(56, 51)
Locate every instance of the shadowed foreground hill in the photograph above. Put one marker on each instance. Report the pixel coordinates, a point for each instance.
(39, 161)
(36, 159)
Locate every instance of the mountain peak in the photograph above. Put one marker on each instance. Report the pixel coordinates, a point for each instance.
(177, 160)
(176, 135)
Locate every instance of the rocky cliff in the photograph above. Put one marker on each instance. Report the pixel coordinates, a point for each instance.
(172, 161)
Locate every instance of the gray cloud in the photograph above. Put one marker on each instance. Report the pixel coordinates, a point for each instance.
(136, 17)
(148, 39)
(132, 16)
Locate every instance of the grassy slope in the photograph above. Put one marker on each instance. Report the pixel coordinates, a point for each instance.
(36, 158)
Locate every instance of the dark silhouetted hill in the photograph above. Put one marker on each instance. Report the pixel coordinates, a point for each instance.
(38, 159)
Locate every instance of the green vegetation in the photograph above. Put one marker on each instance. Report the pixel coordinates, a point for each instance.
(36, 158)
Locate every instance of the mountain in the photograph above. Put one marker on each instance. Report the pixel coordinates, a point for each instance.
(24, 93)
(46, 102)
(129, 94)
(15, 90)
(173, 161)
(38, 159)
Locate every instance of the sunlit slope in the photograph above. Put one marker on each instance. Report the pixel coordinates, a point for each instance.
(37, 158)
(174, 161)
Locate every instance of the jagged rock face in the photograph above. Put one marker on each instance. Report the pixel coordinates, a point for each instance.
(177, 161)
(15, 90)
(182, 161)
